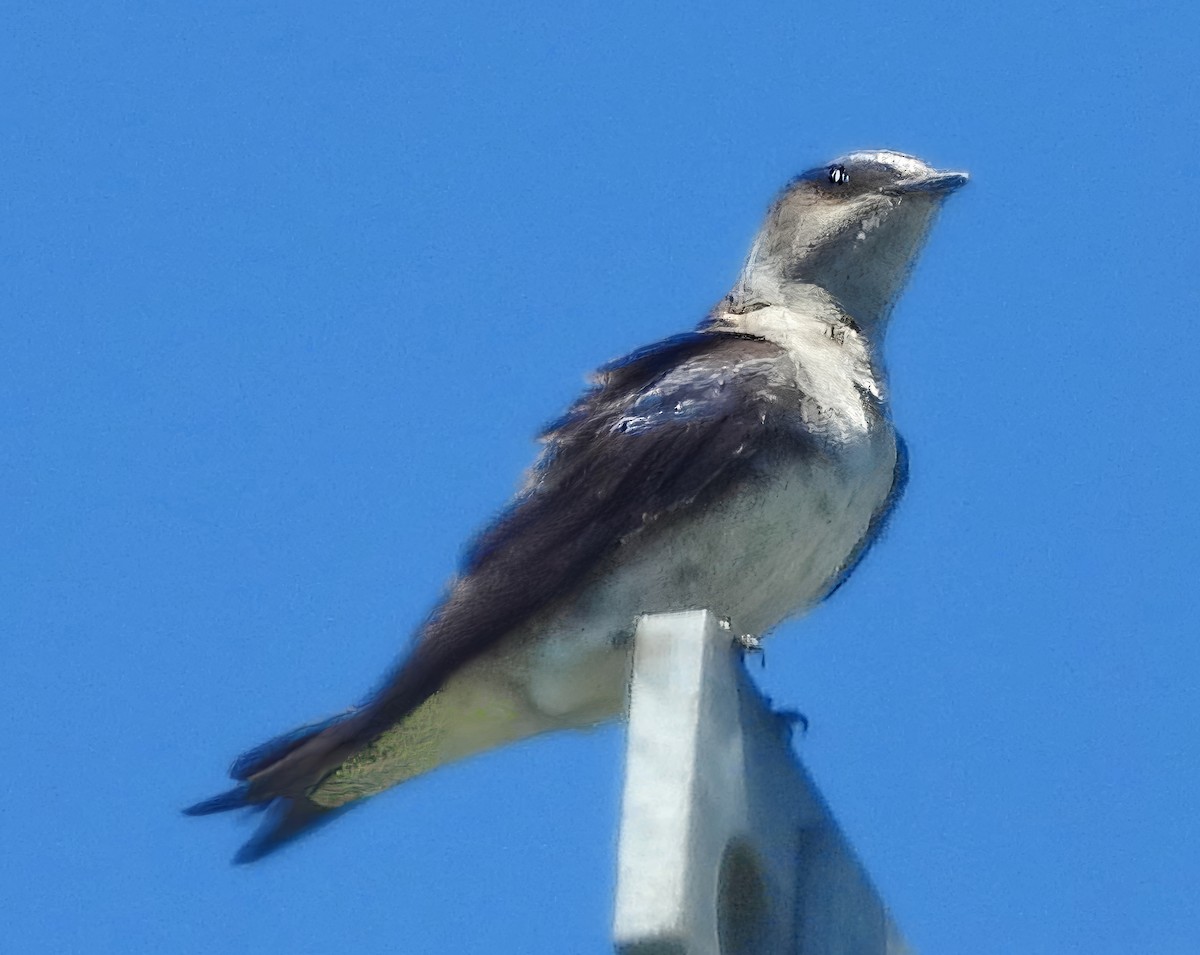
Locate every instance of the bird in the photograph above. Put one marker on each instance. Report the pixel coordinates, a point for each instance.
(743, 467)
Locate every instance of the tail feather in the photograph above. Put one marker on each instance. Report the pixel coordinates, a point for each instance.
(276, 776)
(263, 756)
(284, 774)
(286, 819)
(232, 799)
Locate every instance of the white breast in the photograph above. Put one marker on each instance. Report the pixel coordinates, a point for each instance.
(758, 557)
(767, 552)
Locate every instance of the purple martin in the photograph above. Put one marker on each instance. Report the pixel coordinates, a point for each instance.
(743, 467)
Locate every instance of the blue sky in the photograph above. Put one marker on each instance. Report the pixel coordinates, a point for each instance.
(286, 291)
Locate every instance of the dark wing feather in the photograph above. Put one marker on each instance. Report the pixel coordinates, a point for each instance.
(655, 435)
(661, 430)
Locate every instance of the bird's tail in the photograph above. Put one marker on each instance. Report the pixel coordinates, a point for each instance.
(306, 777)
(276, 777)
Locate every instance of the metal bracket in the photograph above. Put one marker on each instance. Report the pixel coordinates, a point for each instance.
(726, 845)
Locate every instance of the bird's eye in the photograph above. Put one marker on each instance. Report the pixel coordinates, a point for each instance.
(838, 175)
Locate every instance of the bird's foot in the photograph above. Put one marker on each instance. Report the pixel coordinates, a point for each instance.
(748, 643)
(792, 719)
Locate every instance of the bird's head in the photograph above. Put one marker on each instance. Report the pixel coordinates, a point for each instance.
(853, 227)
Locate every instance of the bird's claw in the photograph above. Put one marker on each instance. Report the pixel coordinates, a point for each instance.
(792, 719)
(749, 643)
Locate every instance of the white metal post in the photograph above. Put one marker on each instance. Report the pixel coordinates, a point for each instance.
(726, 846)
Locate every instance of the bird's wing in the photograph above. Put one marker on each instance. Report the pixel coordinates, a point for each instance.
(664, 429)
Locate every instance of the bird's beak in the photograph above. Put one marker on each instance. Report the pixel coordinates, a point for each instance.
(937, 183)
